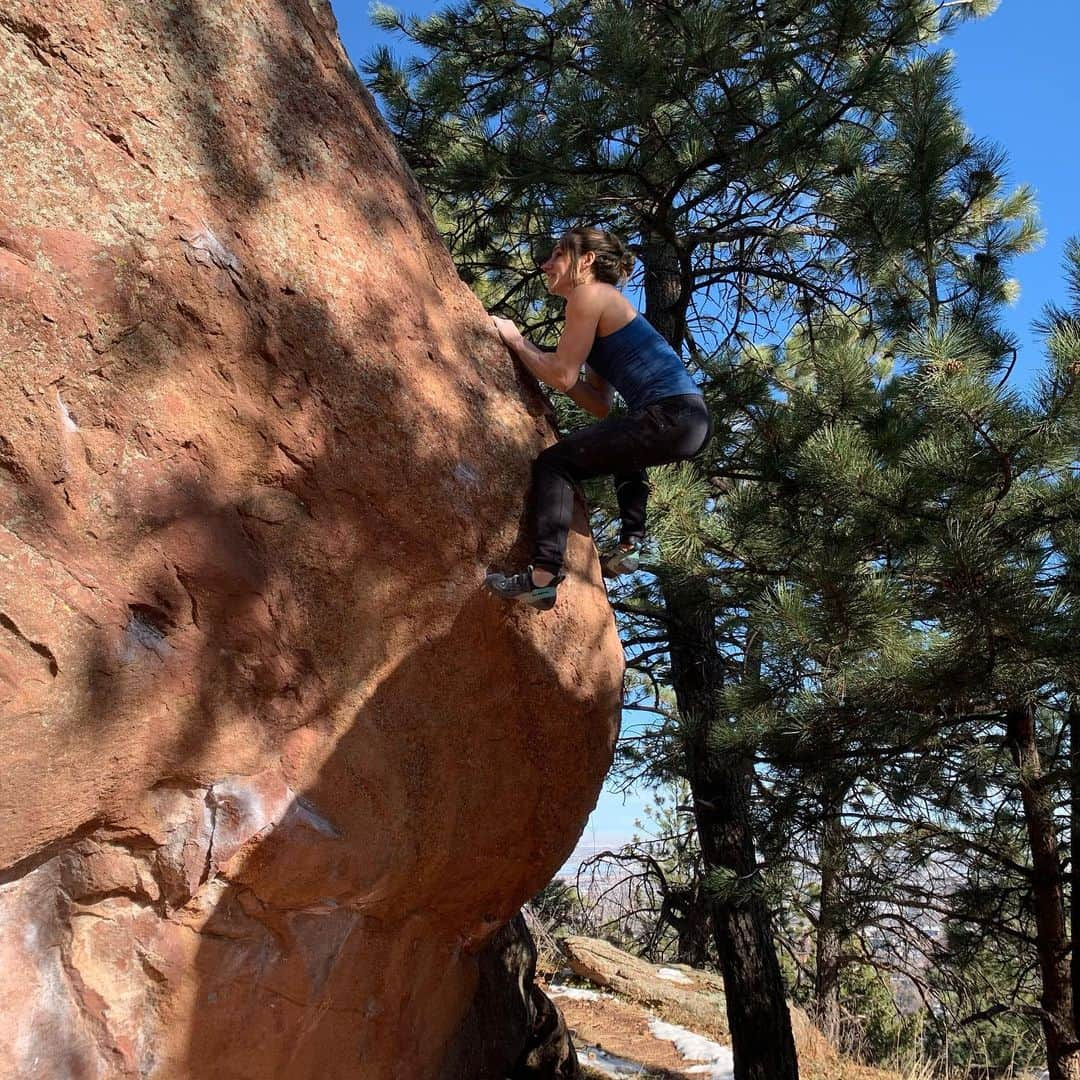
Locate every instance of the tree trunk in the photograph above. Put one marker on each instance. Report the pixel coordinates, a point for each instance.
(762, 1043)
(829, 928)
(665, 297)
(686, 910)
(1059, 1027)
(693, 944)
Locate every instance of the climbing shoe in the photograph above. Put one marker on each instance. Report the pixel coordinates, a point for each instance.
(522, 587)
(623, 560)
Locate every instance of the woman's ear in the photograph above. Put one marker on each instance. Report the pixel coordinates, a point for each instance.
(585, 261)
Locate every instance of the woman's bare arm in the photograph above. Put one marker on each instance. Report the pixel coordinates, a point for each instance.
(559, 369)
(592, 393)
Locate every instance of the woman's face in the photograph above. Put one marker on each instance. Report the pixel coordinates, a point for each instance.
(557, 270)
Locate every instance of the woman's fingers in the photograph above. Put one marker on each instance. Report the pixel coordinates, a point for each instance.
(507, 330)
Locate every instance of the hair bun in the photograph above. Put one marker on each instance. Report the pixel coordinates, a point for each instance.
(612, 261)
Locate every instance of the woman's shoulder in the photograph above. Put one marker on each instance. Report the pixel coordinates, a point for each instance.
(592, 294)
(598, 288)
(611, 307)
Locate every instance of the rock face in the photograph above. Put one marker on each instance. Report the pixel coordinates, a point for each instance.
(272, 767)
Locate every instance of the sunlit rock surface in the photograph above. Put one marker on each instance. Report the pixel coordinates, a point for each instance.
(272, 766)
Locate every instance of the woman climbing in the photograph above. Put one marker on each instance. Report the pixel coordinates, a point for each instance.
(667, 419)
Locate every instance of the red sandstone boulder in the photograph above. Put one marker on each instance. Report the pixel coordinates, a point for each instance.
(272, 766)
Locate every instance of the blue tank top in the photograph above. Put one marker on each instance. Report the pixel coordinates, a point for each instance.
(640, 364)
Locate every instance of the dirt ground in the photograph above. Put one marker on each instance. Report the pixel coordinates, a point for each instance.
(621, 1028)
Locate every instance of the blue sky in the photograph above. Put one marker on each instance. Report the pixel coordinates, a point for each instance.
(1019, 84)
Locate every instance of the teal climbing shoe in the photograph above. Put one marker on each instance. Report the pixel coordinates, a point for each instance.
(522, 587)
(623, 560)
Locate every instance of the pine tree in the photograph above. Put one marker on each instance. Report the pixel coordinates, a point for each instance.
(922, 639)
(848, 503)
(923, 214)
(718, 155)
(705, 132)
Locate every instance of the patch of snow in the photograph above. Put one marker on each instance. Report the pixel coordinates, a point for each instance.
(577, 993)
(719, 1064)
(606, 1063)
(673, 975)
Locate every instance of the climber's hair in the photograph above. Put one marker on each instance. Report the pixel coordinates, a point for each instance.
(614, 260)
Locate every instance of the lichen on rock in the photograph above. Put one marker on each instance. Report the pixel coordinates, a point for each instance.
(274, 767)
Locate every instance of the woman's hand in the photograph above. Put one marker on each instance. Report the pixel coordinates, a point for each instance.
(509, 333)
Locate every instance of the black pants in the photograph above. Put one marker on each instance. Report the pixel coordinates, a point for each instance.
(672, 429)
